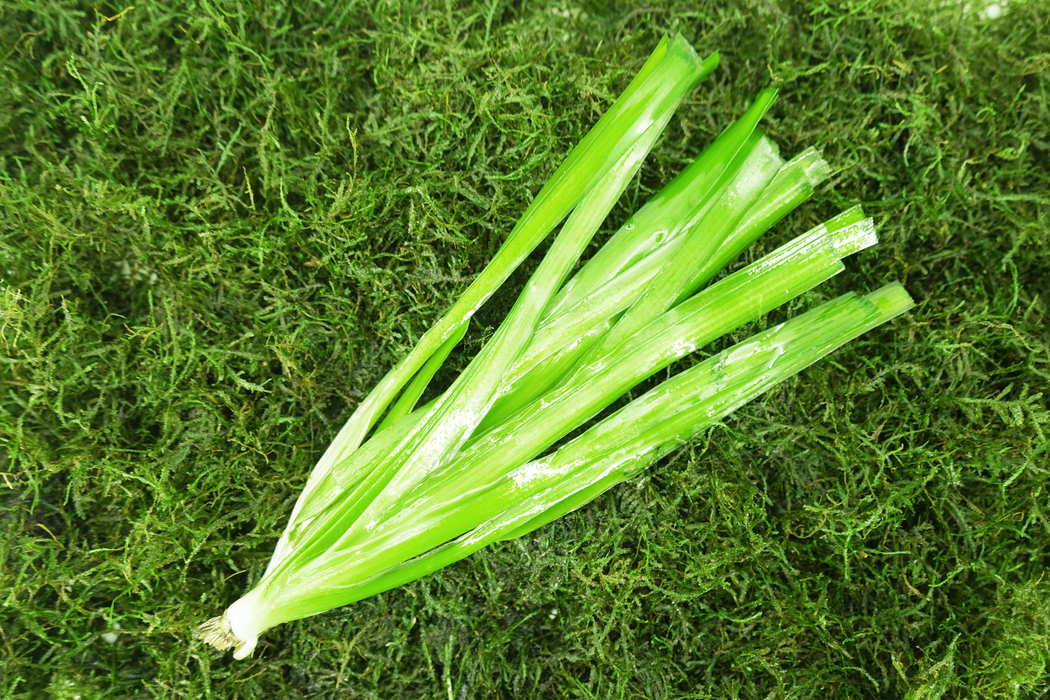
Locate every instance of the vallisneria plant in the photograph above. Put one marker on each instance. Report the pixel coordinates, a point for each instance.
(482, 462)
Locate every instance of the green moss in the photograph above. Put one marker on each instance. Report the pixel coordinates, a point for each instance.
(177, 351)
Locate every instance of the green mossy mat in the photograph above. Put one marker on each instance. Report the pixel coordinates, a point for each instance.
(221, 225)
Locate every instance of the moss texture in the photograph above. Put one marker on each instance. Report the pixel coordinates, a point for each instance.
(220, 225)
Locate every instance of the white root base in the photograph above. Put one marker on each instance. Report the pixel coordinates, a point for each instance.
(232, 630)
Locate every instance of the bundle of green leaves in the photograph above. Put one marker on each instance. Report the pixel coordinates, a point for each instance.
(487, 460)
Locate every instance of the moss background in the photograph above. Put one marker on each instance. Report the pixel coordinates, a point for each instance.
(222, 222)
